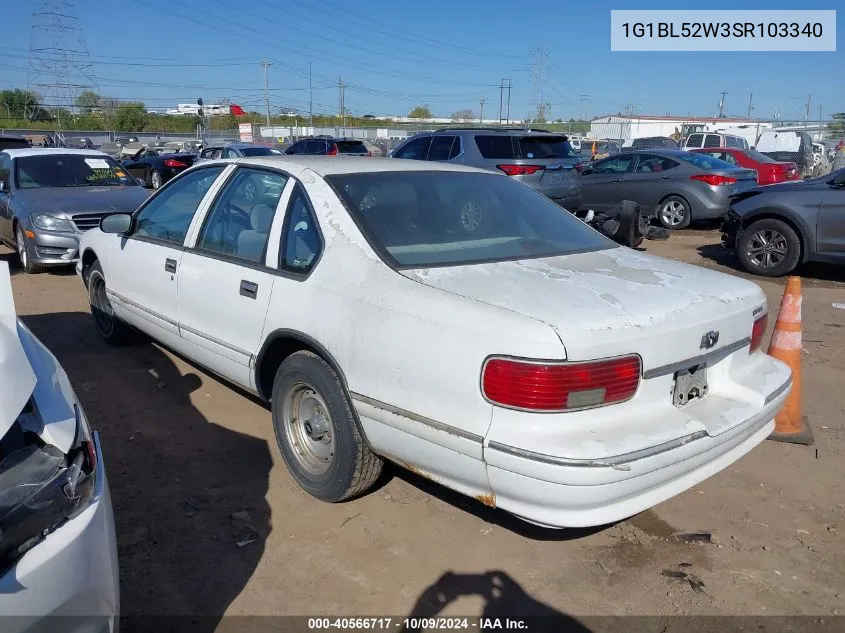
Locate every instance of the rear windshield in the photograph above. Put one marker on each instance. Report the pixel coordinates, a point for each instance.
(760, 158)
(704, 161)
(351, 147)
(256, 151)
(69, 170)
(442, 218)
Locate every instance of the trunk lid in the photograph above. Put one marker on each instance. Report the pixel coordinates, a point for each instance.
(614, 302)
(18, 379)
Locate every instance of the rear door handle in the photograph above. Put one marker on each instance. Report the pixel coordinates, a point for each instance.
(170, 265)
(249, 289)
(665, 178)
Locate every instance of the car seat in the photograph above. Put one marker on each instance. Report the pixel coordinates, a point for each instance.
(251, 241)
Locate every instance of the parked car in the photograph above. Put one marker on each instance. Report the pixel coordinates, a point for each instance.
(544, 161)
(155, 169)
(8, 141)
(682, 186)
(769, 171)
(79, 143)
(709, 140)
(328, 146)
(650, 142)
(775, 228)
(40, 140)
(49, 197)
(544, 369)
(58, 552)
(793, 147)
(234, 150)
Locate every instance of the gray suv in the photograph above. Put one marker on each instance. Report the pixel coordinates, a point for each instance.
(542, 160)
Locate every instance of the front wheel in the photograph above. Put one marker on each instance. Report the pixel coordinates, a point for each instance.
(769, 247)
(317, 433)
(24, 252)
(674, 213)
(109, 325)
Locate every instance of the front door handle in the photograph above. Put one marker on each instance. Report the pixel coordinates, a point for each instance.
(249, 289)
(170, 265)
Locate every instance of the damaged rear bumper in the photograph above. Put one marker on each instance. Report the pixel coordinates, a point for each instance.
(731, 230)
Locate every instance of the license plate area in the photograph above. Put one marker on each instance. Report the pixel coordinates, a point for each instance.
(690, 385)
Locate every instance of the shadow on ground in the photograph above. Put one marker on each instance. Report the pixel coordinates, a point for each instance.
(175, 477)
(14, 262)
(812, 271)
(504, 600)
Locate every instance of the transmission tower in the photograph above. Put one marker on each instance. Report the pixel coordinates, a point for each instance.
(538, 68)
(60, 67)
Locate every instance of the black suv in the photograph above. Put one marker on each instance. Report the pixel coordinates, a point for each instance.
(544, 161)
(328, 146)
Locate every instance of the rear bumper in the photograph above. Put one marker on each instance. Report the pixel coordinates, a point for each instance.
(72, 574)
(561, 493)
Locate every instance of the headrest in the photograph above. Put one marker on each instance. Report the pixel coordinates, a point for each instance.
(261, 217)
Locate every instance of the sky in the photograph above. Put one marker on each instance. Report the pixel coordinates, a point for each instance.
(393, 56)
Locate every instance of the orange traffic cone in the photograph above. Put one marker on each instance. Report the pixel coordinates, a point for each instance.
(790, 424)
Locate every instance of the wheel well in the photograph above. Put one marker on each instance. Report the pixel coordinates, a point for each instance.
(88, 259)
(278, 347)
(802, 240)
(672, 195)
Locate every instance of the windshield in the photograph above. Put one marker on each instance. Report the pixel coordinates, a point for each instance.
(447, 218)
(256, 151)
(70, 170)
(545, 147)
(703, 160)
(760, 158)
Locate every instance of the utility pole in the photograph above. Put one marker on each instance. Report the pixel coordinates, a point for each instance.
(341, 87)
(748, 114)
(501, 97)
(481, 112)
(807, 112)
(508, 115)
(722, 104)
(821, 125)
(584, 98)
(266, 65)
(310, 99)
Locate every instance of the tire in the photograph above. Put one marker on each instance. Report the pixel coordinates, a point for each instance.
(156, 180)
(24, 249)
(769, 247)
(472, 209)
(324, 452)
(109, 325)
(673, 213)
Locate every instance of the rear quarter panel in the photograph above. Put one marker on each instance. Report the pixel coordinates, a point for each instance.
(799, 208)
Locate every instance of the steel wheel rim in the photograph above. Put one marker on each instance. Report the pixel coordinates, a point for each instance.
(767, 248)
(22, 254)
(308, 428)
(673, 213)
(472, 215)
(101, 307)
(249, 192)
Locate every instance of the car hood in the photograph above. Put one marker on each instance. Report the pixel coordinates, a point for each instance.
(80, 199)
(612, 300)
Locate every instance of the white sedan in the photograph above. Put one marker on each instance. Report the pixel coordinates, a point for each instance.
(58, 553)
(447, 319)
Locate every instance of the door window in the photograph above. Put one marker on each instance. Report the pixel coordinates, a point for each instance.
(415, 150)
(441, 147)
(649, 163)
(727, 157)
(615, 165)
(230, 153)
(208, 153)
(302, 240)
(238, 224)
(167, 216)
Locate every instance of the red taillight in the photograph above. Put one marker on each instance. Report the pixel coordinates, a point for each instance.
(174, 163)
(520, 170)
(332, 150)
(560, 386)
(579, 167)
(758, 330)
(714, 179)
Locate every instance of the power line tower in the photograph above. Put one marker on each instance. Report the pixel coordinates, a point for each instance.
(60, 67)
(267, 65)
(722, 104)
(583, 99)
(538, 68)
(341, 97)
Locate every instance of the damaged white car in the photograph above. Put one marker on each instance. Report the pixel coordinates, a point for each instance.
(58, 553)
(447, 319)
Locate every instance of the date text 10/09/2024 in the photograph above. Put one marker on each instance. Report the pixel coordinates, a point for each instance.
(415, 624)
(723, 29)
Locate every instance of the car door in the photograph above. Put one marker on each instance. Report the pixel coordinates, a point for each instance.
(6, 197)
(649, 179)
(830, 228)
(142, 272)
(416, 149)
(601, 182)
(227, 275)
(442, 148)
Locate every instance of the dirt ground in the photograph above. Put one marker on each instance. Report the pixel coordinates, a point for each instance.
(185, 451)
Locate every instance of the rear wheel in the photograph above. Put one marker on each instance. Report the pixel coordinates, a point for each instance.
(769, 247)
(109, 325)
(25, 249)
(674, 213)
(155, 179)
(317, 433)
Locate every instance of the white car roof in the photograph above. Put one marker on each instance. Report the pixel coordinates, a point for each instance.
(38, 151)
(329, 165)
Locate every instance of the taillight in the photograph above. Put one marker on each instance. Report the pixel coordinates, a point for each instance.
(332, 150)
(579, 167)
(714, 179)
(758, 330)
(520, 170)
(174, 163)
(562, 386)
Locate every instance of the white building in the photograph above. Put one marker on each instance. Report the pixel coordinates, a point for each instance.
(625, 127)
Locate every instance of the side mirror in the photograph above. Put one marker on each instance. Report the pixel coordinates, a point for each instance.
(117, 223)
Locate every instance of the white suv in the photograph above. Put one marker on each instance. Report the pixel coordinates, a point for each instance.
(700, 140)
